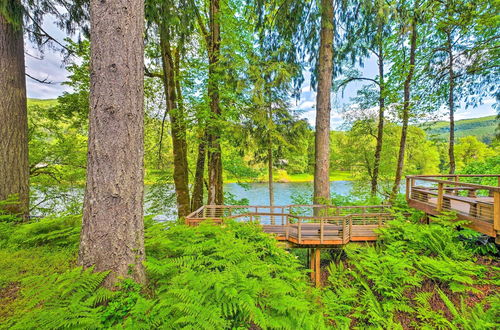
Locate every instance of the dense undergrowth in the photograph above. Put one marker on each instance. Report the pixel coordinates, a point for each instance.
(416, 276)
(208, 277)
(235, 276)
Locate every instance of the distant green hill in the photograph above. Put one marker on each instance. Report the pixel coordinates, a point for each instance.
(483, 128)
(42, 102)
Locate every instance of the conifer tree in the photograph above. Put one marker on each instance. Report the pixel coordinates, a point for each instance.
(18, 18)
(112, 237)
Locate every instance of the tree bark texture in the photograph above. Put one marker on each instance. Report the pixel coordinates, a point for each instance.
(270, 173)
(14, 166)
(112, 235)
(323, 105)
(381, 114)
(451, 103)
(197, 196)
(406, 110)
(178, 128)
(215, 190)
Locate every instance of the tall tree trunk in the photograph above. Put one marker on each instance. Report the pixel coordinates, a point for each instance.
(381, 110)
(178, 128)
(270, 175)
(215, 191)
(451, 103)
(323, 106)
(271, 180)
(14, 166)
(270, 158)
(197, 197)
(112, 235)
(406, 111)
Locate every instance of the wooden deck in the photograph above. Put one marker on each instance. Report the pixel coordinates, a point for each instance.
(477, 203)
(304, 225)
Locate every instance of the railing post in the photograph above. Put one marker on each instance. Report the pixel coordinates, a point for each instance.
(317, 272)
(321, 228)
(408, 185)
(440, 196)
(350, 227)
(299, 230)
(287, 228)
(496, 214)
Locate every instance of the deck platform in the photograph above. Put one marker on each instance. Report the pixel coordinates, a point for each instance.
(464, 195)
(304, 225)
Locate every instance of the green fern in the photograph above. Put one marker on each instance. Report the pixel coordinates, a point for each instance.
(69, 300)
(474, 318)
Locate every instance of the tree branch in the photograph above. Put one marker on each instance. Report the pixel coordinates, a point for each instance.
(150, 74)
(41, 81)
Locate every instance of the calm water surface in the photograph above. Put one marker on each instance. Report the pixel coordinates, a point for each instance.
(258, 193)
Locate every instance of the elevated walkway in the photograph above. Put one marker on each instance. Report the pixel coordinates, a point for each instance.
(304, 225)
(477, 203)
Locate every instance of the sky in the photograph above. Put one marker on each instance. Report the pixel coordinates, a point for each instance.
(49, 65)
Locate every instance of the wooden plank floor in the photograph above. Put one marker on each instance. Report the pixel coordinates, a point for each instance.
(460, 206)
(479, 225)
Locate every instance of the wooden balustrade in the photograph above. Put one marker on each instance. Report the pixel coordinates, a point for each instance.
(333, 226)
(477, 203)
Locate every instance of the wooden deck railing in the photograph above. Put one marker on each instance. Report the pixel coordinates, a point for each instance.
(303, 224)
(475, 202)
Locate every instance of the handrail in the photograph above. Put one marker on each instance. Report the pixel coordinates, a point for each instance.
(453, 175)
(303, 217)
(455, 183)
(190, 215)
(293, 205)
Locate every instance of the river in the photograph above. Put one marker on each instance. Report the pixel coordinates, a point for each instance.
(258, 193)
(56, 199)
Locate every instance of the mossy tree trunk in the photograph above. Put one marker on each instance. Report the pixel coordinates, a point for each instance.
(381, 111)
(451, 101)
(177, 121)
(406, 110)
(14, 165)
(215, 189)
(323, 105)
(197, 195)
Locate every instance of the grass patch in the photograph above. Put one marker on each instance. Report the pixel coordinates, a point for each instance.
(44, 103)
